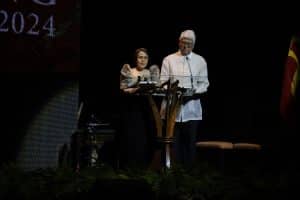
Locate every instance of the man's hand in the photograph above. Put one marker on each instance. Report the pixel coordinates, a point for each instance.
(186, 99)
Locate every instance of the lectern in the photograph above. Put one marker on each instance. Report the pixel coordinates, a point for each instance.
(173, 95)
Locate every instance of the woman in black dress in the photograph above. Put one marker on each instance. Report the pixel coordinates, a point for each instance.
(136, 135)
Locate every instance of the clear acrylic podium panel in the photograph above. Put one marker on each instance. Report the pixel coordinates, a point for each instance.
(189, 83)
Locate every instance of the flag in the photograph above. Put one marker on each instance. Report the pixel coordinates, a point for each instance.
(290, 83)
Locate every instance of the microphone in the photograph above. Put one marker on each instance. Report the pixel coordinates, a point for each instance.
(192, 81)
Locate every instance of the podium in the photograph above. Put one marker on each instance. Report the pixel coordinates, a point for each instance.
(173, 96)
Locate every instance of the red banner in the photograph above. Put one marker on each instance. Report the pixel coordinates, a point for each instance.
(290, 83)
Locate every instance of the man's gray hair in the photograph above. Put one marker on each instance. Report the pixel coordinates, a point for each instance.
(190, 34)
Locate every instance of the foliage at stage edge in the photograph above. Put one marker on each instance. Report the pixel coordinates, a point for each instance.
(202, 182)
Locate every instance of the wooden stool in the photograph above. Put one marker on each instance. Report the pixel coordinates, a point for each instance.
(215, 144)
(246, 153)
(220, 146)
(248, 146)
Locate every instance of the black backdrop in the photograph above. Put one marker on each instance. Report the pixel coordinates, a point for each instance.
(245, 52)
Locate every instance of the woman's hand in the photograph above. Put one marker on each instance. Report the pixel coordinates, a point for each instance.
(130, 90)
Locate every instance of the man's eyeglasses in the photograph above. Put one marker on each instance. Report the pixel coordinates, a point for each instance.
(186, 44)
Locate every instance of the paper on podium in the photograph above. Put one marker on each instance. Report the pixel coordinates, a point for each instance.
(185, 81)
